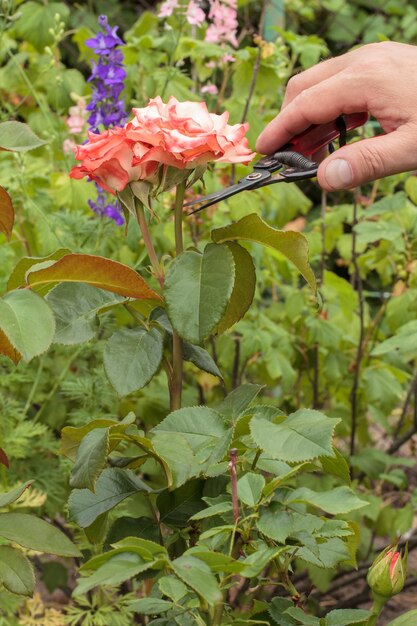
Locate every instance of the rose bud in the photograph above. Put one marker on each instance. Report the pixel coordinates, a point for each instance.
(387, 574)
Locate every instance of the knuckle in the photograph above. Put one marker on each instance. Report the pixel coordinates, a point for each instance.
(371, 161)
(294, 86)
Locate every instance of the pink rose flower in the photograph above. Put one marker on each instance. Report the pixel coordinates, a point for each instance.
(182, 135)
(108, 159)
(185, 134)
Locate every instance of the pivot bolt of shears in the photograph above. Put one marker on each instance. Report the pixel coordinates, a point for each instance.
(254, 176)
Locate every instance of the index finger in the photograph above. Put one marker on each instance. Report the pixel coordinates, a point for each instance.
(323, 102)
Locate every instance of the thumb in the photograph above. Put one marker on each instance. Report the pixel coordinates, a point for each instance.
(369, 159)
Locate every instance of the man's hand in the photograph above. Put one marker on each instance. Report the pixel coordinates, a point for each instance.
(379, 78)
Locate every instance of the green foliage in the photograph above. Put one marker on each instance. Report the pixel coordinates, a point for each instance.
(253, 488)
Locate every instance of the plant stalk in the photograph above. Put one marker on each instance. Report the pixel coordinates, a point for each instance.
(140, 215)
(177, 348)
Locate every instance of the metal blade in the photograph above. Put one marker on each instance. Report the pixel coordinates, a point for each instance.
(250, 181)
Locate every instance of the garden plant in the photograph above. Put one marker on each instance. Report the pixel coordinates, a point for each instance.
(207, 418)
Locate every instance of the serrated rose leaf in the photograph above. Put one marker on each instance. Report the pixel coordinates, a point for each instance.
(27, 323)
(132, 357)
(90, 460)
(12, 496)
(36, 534)
(18, 276)
(96, 271)
(293, 245)
(16, 572)
(6, 213)
(197, 575)
(197, 290)
(18, 137)
(243, 288)
(302, 436)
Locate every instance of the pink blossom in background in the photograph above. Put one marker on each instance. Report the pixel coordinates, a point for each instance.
(211, 89)
(228, 58)
(224, 23)
(76, 119)
(167, 8)
(68, 146)
(195, 15)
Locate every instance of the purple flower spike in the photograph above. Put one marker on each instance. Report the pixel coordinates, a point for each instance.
(106, 106)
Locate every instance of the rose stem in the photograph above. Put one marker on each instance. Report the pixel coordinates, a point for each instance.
(233, 475)
(140, 215)
(177, 357)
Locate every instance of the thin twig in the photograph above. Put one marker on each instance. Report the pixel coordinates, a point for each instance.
(236, 363)
(406, 404)
(357, 280)
(233, 477)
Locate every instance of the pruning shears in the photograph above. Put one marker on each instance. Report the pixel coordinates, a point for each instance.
(291, 160)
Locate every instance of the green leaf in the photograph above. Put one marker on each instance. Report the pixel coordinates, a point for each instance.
(36, 20)
(176, 507)
(113, 486)
(197, 290)
(371, 231)
(211, 511)
(147, 549)
(150, 606)
(346, 617)
(71, 436)
(27, 322)
(325, 555)
(18, 137)
(197, 575)
(277, 610)
(406, 619)
(336, 501)
(75, 307)
(257, 561)
(302, 436)
(336, 466)
(204, 430)
(178, 454)
(90, 460)
(132, 357)
(301, 617)
(238, 400)
(243, 288)
(116, 570)
(201, 359)
(217, 561)
(249, 488)
(6, 213)
(172, 588)
(404, 342)
(12, 496)
(279, 525)
(291, 244)
(33, 533)
(16, 572)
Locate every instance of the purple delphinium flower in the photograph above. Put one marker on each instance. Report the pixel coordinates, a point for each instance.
(106, 108)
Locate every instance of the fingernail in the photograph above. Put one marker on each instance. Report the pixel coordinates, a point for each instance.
(338, 174)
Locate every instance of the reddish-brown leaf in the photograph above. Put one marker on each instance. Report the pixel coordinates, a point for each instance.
(8, 349)
(97, 271)
(3, 458)
(6, 213)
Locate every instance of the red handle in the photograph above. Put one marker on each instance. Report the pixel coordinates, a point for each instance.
(320, 135)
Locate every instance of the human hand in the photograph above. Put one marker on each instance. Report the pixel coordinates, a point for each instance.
(379, 78)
